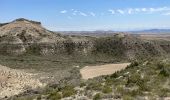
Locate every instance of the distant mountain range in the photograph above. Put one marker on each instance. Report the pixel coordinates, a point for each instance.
(110, 32)
(152, 31)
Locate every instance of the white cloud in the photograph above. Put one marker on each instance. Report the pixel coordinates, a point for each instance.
(152, 9)
(120, 11)
(112, 11)
(160, 9)
(83, 14)
(137, 9)
(92, 14)
(144, 9)
(168, 13)
(140, 10)
(130, 11)
(63, 11)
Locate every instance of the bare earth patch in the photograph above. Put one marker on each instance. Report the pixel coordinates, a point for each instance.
(13, 82)
(108, 69)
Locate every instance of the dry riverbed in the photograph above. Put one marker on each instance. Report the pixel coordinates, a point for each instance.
(108, 69)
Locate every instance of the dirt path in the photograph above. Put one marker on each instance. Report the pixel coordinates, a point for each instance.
(94, 71)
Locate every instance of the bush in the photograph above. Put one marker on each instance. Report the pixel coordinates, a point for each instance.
(68, 91)
(54, 96)
(164, 92)
(94, 86)
(160, 65)
(120, 89)
(97, 96)
(127, 97)
(114, 75)
(107, 89)
(39, 97)
(136, 80)
(132, 65)
(164, 72)
(82, 84)
(135, 92)
(133, 79)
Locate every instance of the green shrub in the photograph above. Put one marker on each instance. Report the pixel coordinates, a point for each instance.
(39, 97)
(135, 92)
(97, 96)
(160, 65)
(164, 72)
(68, 91)
(133, 79)
(54, 96)
(82, 84)
(132, 65)
(127, 97)
(107, 89)
(120, 89)
(164, 92)
(114, 75)
(94, 86)
(136, 80)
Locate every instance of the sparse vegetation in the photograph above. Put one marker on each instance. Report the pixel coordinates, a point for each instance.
(68, 91)
(107, 89)
(97, 96)
(54, 96)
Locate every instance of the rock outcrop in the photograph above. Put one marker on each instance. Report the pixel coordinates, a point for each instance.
(25, 36)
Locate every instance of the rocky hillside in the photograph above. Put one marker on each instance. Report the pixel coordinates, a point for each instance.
(23, 36)
(14, 82)
(131, 47)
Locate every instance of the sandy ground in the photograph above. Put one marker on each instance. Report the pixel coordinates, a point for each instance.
(94, 71)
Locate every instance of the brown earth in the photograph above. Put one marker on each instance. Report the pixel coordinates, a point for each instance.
(94, 71)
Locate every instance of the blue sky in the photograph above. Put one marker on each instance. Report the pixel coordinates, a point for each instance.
(79, 15)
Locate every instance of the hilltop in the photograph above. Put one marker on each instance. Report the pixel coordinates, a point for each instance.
(27, 36)
(26, 31)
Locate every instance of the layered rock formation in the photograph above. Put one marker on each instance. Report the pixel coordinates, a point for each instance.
(25, 36)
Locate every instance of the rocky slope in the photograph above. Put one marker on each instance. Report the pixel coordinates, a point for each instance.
(25, 36)
(14, 82)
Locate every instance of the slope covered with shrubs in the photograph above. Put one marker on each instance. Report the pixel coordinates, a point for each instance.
(148, 80)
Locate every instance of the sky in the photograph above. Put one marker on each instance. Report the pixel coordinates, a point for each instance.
(90, 15)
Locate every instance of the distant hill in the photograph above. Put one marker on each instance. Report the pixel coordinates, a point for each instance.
(89, 33)
(152, 31)
(111, 33)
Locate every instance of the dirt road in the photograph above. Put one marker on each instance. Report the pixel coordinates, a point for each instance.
(94, 71)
